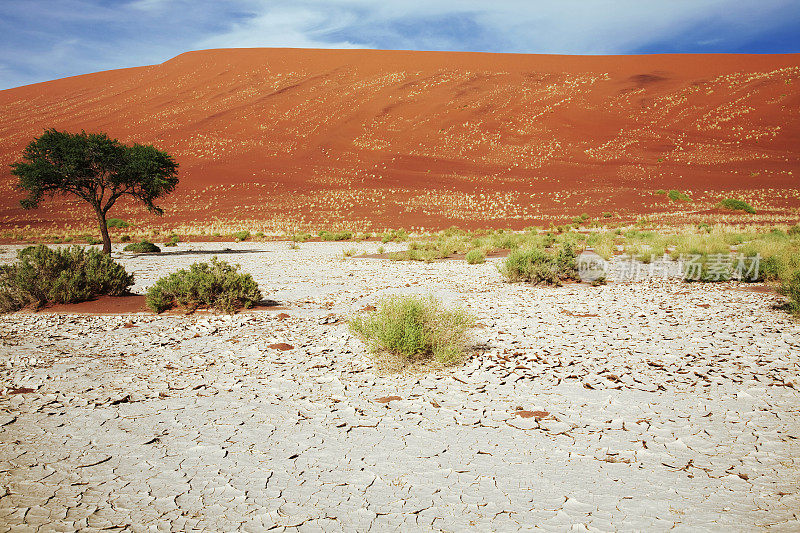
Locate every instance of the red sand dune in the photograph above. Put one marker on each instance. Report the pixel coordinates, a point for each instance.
(432, 139)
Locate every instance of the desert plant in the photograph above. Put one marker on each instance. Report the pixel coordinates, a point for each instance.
(242, 235)
(413, 328)
(335, 235)
(350, 252)
(96, 169)
(125, 238)
(66, 275)
(173, 240)
(678, 196)
(536, 265)
(215, 284)
(144, 247)
(395, 235)
(476, 256)
(737, 205)
(116, 223)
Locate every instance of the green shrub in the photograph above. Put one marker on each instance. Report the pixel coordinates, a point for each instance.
(173, 240)
(607, 215)
(300, 237)
(476, 256)
(678, 196)
(241, 235)
(66, 275)
(335, 235)
(215, 284)
(536, 265)
(116, 223)
(737, 205)
(794, 230)
(414, 328)
(661, 191)
(125, 238)
(144, 247)
(395, 235)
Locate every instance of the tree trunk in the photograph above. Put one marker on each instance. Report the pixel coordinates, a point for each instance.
(101, 216)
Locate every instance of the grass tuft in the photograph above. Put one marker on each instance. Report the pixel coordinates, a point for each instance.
(415, 328)
(476, 256)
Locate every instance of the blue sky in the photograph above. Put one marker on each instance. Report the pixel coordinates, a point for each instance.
(43, 40)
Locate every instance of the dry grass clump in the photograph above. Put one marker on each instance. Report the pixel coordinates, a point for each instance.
(68, 275)
(410, 329)
(476, 256)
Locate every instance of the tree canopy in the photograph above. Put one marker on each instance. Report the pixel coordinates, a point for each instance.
(96, 169)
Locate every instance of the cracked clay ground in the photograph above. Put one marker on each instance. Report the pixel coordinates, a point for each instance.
(645, 406)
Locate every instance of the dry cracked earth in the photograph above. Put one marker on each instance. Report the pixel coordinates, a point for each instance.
(649, 405)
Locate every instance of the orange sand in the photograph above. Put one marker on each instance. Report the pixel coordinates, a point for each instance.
(432, 139)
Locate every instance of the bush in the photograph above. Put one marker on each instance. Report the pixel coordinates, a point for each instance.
(476, 256)
(395, 235)
(116, 223)
(215, 284)
(661, 191)
(535, 265)
(241, 235)
(173, 240)
(414, 328)
(125, 238)
(794, 230)
(144, 247)
(336, 236)
(68, 275)
(737, 205)
(678, 196)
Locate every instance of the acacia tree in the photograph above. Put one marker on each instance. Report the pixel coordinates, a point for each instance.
(96, 169)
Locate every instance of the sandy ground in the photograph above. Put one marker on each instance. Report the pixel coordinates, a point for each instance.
(281, 138)
(634, 406)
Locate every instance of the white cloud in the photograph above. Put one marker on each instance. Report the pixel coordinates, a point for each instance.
(535, 26)
(290, 27)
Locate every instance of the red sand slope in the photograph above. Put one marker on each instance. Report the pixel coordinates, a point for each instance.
(433, 138)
